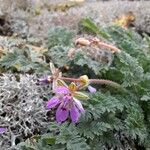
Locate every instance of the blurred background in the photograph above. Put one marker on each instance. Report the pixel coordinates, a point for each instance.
(27, 18)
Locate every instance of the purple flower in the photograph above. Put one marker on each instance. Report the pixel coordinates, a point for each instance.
(74, 113)
(68, 105)
(62, 90)
(91, 89)
(54, 101)
(2, 130)
(62, 114)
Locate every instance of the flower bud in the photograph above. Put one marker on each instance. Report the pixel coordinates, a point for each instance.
(84, 80)
(82, 42)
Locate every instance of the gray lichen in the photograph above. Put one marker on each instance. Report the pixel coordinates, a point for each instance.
(22, 108)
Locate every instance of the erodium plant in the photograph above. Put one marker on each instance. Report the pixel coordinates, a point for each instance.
(60, 112)
(67, 98)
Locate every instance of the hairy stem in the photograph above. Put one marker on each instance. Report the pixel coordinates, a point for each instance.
(106, 82)
(70, 79)
(96, 81)
(113, 48)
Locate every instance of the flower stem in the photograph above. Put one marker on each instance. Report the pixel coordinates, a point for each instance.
(106, 82)
(96, 81)
(70, 79)
(113, 48)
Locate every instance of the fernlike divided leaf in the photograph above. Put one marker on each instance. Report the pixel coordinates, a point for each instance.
(113, 119)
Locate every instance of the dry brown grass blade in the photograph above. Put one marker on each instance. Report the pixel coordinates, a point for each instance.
(36, 48)
(125, 20)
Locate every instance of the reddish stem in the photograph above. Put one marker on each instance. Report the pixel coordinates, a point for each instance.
(94, 81)
(113, 48)
(70, 79)
(102, 81)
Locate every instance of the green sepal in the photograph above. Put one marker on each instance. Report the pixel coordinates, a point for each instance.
(80, 96)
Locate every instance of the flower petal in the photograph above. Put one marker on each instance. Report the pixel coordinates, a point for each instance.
(61, 114)
(52, 102)
(2, 130)
(79, 105)
(91, 89)
(74, 113)
(45, 80)
(67, 99)
(62, 90)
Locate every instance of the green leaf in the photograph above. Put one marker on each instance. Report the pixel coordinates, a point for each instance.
(145, 97)
(60, 36)
(134, 123)
(83, 60)
(90, 26)
(49, 139)
(129, 67)
(58, 55)
(77, 143)
(23, 60)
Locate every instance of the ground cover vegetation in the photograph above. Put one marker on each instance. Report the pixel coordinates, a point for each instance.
(87, 88)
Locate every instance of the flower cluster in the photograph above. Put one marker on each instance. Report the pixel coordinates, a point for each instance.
(67, 100)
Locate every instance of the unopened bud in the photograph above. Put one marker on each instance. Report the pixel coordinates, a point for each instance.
(84, 80)
(82, 42)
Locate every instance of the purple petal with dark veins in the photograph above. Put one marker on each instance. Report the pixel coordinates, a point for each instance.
(66, 100)
(62, 90)
(91, 89)
(74, 113)
(61, 114)
(2, 130)
(52, 102)
(79, 105)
